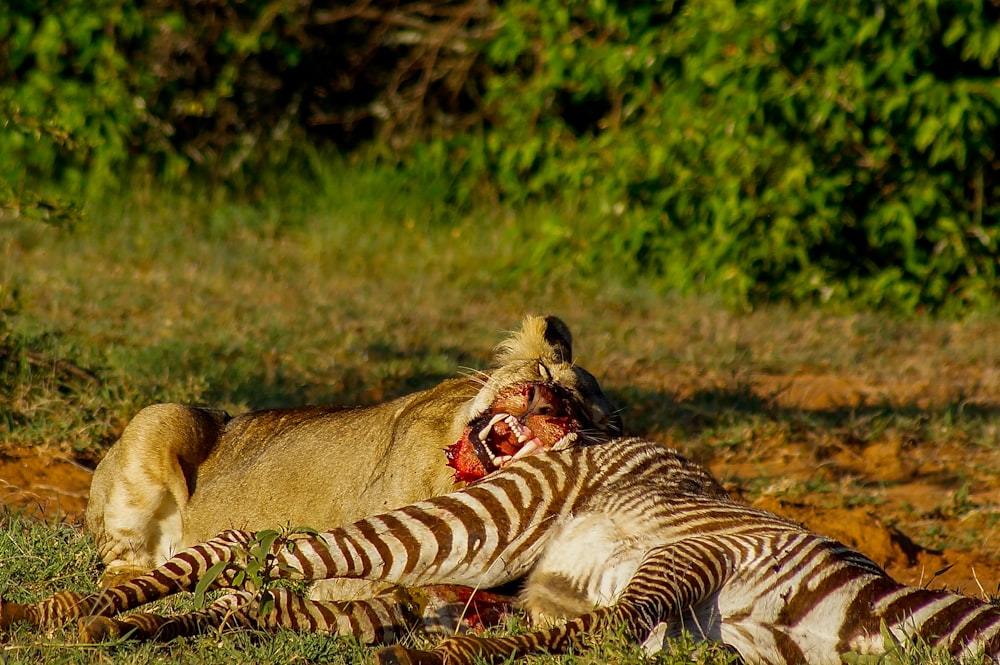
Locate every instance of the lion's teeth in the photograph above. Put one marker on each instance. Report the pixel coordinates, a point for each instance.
(520, 431)
(527, 449)
(501, 461)
(485, 432)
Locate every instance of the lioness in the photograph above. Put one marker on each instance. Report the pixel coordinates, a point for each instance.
(180, 474)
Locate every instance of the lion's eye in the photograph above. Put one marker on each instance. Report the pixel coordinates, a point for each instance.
(544, 372)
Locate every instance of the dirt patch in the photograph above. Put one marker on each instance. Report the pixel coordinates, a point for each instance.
(880, 499)
(43, 484)
(969, 572)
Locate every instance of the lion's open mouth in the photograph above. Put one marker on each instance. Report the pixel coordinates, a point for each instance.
(523, 420)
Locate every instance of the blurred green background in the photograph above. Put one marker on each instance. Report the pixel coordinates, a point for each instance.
(771, 150)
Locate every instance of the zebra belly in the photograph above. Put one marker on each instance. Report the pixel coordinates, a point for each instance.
(794, 612)
(587, 562)
(757, 631)
(779, 606)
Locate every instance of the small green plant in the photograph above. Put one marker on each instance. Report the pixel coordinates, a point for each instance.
(256, 567)
(961, 504)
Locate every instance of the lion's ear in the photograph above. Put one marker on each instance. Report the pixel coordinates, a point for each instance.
(559, 337)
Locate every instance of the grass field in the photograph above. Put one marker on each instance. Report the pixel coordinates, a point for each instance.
(346, 290)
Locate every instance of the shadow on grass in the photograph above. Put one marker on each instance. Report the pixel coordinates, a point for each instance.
(715, 413)
(381, 370)
(387, 373)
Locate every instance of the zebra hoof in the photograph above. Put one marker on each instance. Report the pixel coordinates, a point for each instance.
(98, 629)
(11, 613)
(394, 655)
(397, 655)
(115, 576)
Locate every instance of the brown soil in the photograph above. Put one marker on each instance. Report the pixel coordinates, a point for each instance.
(906, 492)
(969, 572)
(49, 486)
(901, 489)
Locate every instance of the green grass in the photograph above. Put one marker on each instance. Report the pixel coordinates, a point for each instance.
(345, 288)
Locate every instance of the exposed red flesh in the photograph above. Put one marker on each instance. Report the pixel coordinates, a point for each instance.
(462, 457)
(542, 408)
(478, 609)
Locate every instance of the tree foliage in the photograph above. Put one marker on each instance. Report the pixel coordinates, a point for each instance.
(812, 151)
(221, 88)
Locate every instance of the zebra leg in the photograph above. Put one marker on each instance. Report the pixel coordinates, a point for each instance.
(381, 620)
(467, 649)
(383, 547)
(238, 609)
(180, 573)
(669, 579)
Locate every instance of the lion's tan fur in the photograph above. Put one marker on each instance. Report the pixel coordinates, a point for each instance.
(180, 474)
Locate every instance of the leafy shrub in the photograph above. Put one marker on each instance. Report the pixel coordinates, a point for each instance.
(760, 149)
(65, 90)
(96, 88)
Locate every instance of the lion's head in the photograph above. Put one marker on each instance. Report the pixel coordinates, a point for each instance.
(535, 399)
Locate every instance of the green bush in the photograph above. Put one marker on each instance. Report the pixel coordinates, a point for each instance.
(764, 149)
(65, 93)
(220, 89)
